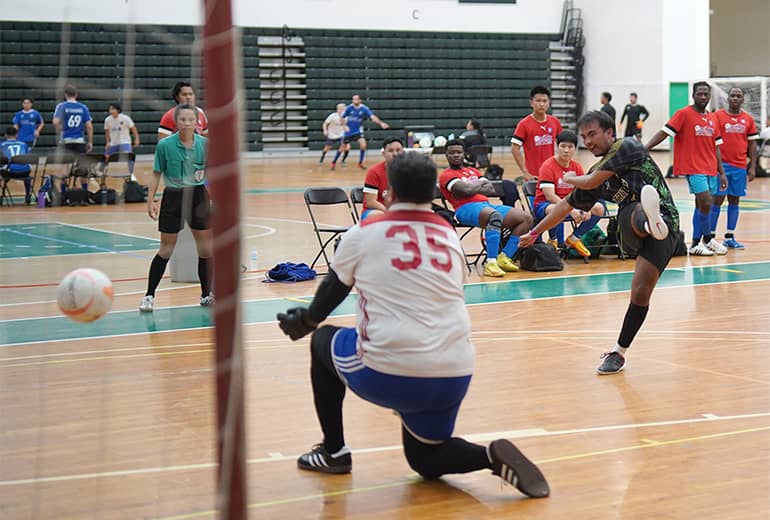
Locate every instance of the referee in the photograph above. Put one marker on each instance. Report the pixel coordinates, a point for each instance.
(180, 160)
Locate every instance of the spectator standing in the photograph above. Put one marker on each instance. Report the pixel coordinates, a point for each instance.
(28, 122)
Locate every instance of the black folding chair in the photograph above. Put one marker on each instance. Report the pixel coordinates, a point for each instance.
(113, 169)
(63, 161)
(478, 155)
(463, 230)
(357, 198)
(327, 197)
(25, 159)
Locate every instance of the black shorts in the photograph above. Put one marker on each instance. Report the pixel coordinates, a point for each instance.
(657, 252)
(354, 137)
(76, 148)
(333, 142)
(180, 205)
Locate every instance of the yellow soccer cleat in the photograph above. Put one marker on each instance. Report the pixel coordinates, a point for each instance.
(553, 243)
(506, 264)
(578, 246)
(492, 269)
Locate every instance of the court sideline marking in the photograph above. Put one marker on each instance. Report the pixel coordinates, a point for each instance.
(511, 434)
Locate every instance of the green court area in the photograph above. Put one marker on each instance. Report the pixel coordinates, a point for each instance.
(264, 311)
(53, 238)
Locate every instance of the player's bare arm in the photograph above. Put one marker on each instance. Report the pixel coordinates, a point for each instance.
(555, 216)
(656, 140)
(468, 189)
(751, 171)
(590, 181)
(518, 158)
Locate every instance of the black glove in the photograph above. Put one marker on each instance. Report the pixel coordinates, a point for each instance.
(296, 323)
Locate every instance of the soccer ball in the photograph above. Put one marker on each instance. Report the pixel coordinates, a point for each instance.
(439, 141)
(425, 142)
(85, 295)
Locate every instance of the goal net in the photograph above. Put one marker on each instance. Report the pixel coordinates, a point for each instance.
(755, 91)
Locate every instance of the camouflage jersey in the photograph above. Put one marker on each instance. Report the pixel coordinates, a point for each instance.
(633, 168)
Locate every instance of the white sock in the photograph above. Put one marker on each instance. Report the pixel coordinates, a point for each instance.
(343, 451)
(620, 350)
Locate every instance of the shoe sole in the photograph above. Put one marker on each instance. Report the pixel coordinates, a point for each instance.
(651, 207)
(338, 470)
(718, 252)
(700, 253)
(601, 373)
(527, 477)
(145, 310)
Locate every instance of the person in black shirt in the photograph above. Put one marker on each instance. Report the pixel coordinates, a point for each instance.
(648, 220)
(609, 110)
(473, 136)
(637, 115)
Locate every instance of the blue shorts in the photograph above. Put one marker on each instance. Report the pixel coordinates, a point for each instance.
(428, 406)
(468, 214)
(117, 148)
(365, 213)
(699, 183)
(736, 181)
(540, 209)
(333, 142)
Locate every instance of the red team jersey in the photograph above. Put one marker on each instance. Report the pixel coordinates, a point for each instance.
(168, 125)
(696, 137)
(376, 182)
(537, 139)
(737, 130)
(552, 174)
(450, 176)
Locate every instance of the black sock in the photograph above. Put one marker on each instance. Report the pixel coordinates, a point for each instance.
(635, 315)
(729, 235)
(204, 275)
(157, 268)
(323, 155)
(455, 455)
(328, 389)
(345, 156)
(707, 238)
(695, 242)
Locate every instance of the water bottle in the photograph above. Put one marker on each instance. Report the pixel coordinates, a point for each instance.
(253, 260)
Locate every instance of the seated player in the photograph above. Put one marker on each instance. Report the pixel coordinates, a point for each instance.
(411, 350)
(551, 188)
(467, 190)
(12, 147)
(376, 182)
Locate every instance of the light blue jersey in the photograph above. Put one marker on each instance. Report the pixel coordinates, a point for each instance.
(355, 117)
(73, 116)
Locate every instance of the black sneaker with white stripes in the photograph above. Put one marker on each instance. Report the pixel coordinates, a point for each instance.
(512, 466)
(612, 363)
(318, 459)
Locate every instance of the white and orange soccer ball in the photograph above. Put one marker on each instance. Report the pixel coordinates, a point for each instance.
(85, 294)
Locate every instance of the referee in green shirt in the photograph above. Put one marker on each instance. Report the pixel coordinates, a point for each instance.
(180, 160)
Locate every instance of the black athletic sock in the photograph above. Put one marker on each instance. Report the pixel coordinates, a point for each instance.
(328, 389)
(707, 238)
(323, 155)
(455, 455)
(729, 235)
(345, 156)
(204, 275)
(157, 268)
(635, 315)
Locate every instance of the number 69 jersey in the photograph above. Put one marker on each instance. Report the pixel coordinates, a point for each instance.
(408, 268)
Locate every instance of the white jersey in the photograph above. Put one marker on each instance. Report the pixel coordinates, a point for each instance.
(408, 268)
(119, 128)
(336, 126)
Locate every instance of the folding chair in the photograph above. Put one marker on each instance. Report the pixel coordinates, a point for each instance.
(463, 230)
(327, 197)
(63, 160)
(89, 165)
(357, 198)
(112, 168)
(5, 195)
(26, 159)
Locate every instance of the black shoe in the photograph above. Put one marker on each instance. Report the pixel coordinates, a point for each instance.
(612, 363)
(513, 467)
(318, 459)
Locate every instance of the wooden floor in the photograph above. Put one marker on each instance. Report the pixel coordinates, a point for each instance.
(115, 419)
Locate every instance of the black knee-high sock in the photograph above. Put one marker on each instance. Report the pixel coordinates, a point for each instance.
(157, 268)
(635, 315)
(328, 389)
(323, 156)
(345, 156)
(204, 275)
(455, 455)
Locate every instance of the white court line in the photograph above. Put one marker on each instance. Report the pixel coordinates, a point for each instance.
(130, 293)
(612, 331)
(274, 457)
(81, 226)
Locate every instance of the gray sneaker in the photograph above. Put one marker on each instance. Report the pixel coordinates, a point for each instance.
(612, 363)
(147, 303)
(207, 301)
(657, 227)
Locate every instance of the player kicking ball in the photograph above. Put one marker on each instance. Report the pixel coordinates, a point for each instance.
(411, 350)
(647, 217)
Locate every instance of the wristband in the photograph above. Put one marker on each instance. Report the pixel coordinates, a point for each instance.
(534, 233)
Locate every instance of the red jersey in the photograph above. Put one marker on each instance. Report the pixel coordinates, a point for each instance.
(450, 176)
(376, 182)
(737, 130)
(696, 137)
(537, 139)
(552, 174)
(168, 125)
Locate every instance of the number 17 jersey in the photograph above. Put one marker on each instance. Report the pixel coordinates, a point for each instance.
(408, 269)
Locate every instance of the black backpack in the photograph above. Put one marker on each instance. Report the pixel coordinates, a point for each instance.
(134, 192)
(105, 196)
(539, 257)
(75, 197)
